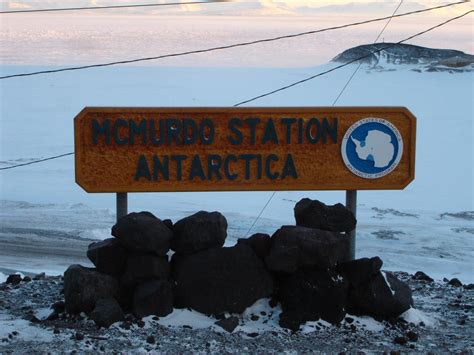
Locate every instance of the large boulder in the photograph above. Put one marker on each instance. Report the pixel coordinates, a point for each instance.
(107, 312)
(220, 280)
(383, 297)
(311, 294)
(284, 259)
(201, 231)
(360, 271)
(315, 214)
(295, 247)
(13, 279)
(125, 297)
(260, 243)
(83, 287)
(140, 268)
(142, 232)
(108, 256)
(153, 297)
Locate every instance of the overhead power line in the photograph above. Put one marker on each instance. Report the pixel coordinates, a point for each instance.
(260, 214)
(347, 83)
(290, 85)
(37, 161)
(242, 44)
(388, 22)
(352, 61)
(111, 7)
(360, 63)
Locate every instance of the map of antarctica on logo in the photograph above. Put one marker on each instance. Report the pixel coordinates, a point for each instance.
(372, 148)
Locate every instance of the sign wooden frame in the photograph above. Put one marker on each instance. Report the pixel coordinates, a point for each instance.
(109, 143)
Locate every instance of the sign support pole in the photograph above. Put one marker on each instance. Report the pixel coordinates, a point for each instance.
(122, 204)
(351, 205)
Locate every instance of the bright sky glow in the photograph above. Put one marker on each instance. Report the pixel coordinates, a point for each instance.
(247, 7)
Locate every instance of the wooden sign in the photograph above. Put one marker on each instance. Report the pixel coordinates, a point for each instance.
(235, 149)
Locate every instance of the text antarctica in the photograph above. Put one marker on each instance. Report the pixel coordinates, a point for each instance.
(241, 132)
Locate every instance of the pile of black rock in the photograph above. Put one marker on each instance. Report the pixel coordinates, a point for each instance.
(305, 268)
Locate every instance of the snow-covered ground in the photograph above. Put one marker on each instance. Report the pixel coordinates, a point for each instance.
(440, 323)
(47, 220)
(75, 38)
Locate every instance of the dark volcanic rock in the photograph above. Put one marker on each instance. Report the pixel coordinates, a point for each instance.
(108, 256)
(296, 247)
(168, 223)
(58, 306)
(39, 276)
(308, 295)
(283, 259)
(107, 312)
(228, 324)
(201, 231)
(402, 53)
(453, 282)
(143, 233)
(291, 319)
(400, 340)
(412, 336)
(315, 214)
(421, 276)
(379, 298)
(13, 279)
(52, 316)
(153, 298)
(83, 287)
(125, 296)
(140, 268)
(361, 270)
(260, 243)
(220, 280)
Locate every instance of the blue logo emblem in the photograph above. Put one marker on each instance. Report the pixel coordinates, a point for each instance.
(372, 148)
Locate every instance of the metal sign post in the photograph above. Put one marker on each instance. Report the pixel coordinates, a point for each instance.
(351, 205)
(122, 204)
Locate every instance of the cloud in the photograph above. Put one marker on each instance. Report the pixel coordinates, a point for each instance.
(249, 8)
(17, 5)
(12, 5)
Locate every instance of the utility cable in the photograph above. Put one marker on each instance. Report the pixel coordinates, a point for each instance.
(111, 7)
(287, 86)
(347, 83)
(360, 63)
(37, 161)
(242, 44)
(260, 214)
(353, 60)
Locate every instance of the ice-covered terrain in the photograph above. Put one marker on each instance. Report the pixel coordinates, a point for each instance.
(440, 324)
(54, 219)
(70, 39)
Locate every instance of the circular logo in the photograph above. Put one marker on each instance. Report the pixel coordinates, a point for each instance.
(372, 148)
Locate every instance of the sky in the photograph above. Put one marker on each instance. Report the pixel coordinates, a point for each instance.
(247, 7)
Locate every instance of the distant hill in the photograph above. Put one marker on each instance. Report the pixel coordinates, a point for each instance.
(430, 59)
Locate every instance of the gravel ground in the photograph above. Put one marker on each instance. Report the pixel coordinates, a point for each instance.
(23, 306)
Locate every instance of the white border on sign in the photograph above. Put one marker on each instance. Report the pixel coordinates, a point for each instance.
(348, 134)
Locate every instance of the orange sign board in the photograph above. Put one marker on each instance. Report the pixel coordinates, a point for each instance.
(237, 149)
